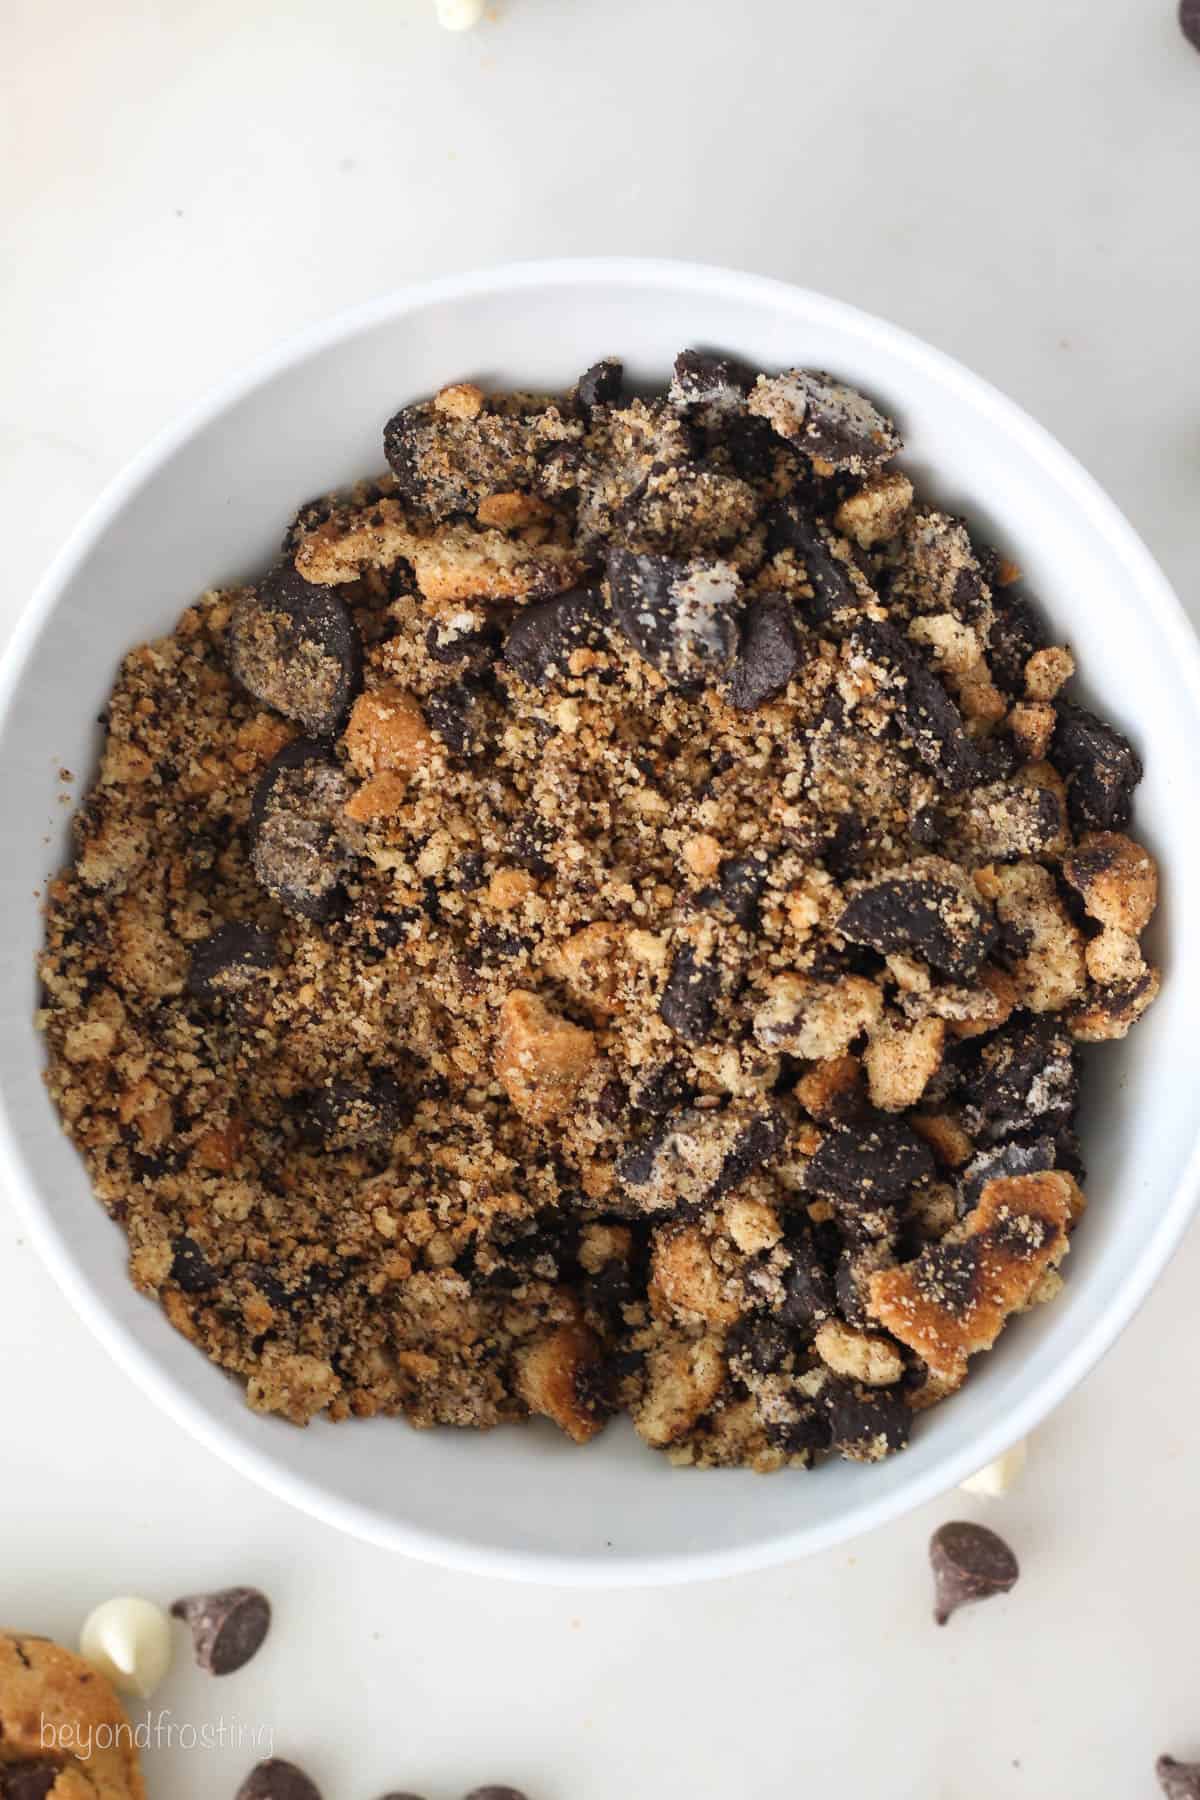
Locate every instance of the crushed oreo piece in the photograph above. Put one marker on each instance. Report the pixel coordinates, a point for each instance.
(792, 527)
(808, 1298)
(689, 1000)
(925, 909)
(759, 1145)
(1018, 1157)
(866, 1424)
(601, 384)
(768, 654)
(681, 616)
(191, 1270)
(294, 646)
(228, 1628)
(969, 1563)
(298, 850)
(930, 717)
(826, 419)
(544, 636)
(276, 1779)
(230, 960)
(1024, 1079)
(1101, 768)
(347, 1116)
(663, 1089)
(712, 385)
(868, 1165)
(1015, 635)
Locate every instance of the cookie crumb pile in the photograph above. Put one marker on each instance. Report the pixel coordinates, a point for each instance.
(604, 924)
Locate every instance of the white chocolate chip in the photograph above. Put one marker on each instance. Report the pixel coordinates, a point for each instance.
(1000, 1475)
(459, 15)
(129, 1641)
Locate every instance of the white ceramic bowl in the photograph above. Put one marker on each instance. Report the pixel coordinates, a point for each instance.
(207, 504)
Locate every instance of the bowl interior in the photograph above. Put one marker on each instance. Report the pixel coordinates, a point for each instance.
(211, 506)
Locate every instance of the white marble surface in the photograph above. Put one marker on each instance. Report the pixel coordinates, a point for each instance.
(179, 186)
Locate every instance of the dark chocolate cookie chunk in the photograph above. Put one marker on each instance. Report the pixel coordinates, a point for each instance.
(298, 851)
(190, 1268)
(276, 1779)
(792, 528)
(1014, 636)
(662, 1089)
(969, 1563)
(689, 999)
(601, 384)
(294, 646)
(681, 616)
(866, 1424)
(463, 643)
(925, 908)
(228, 1628)
(347, 1115)
(1101, 768)
(826, 419)
(739, 888)
(868, 1165)
(1023, 1081)
(768, 654)
(446, 464)
(461, 717)
(1020, 1157)
(928, 715)
(712, 386)
(230, 960)
(808, 1299)
(760, 1144)
(543, 637)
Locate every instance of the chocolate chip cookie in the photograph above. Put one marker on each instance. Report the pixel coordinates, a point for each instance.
(603, 924)
(63, 1735)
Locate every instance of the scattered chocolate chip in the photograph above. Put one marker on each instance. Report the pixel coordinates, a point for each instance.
(759, 1144)
(1023, 1079)
(791, 528)
(294, 646)
(768, 654)
(1101, 768)
(298, 852)
(227, 1628)
(347, 1116)
(276, 1779)
(1189, 21)
(31, 1780)
(601, 384)
(969, 1563)
(930, 717)
(681, 616)
(1017, 1158)
(493, 1792)
(230, 960)
(868, 1165)
(191, 1270)
(714, 386)
(826, 419)
(866, 1423)
(1180, 1781)
(689, 1000)
(543, 636)
(923, 911)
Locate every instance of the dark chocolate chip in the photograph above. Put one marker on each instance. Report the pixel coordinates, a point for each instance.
(1016, 1158)
(227, 1628)
(916, 911)
(1180, 1781)
(1023, 1080)
(1101, 768)
(230, 960)
(294, 646)
(298, 852)
(31, 1780)
(404, 1796)
(276, 1779)
(868, 1165)
(191, 1270)
(544, 635)
(759, 1144)
(792, 528)
(1189, 21)
(866, 1423)
(494, 1792)
(601, 384)
(713, 385)
(689, 999)
(768, 654)
(928, 715)
(969, 1563)
(348, 1116)
(681, 616)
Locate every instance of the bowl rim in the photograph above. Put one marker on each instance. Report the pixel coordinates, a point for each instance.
(1096, 1335)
